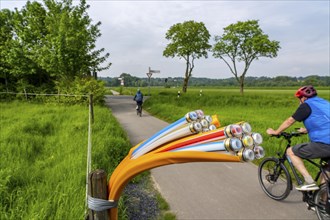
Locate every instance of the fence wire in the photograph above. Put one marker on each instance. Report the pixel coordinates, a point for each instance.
(38, 94)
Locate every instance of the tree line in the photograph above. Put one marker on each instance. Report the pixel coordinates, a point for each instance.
(278, 81)
(49, 47)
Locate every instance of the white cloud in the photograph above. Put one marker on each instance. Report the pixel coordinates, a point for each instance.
(133, 32)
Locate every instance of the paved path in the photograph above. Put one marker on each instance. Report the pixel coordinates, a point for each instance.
(115, 92)
(207, 190)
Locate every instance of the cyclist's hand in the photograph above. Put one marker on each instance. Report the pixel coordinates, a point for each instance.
(271, 131)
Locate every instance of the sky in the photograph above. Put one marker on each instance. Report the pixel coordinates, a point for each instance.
(133, 32)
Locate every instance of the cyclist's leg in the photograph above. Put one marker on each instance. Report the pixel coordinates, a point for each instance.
(299, 165)
(309, 150)
(324, 196)
(327, 170)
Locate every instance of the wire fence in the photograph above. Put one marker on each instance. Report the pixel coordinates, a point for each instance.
(38, 94)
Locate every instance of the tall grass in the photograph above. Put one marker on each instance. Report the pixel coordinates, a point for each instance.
(43, 158)
(261, 108)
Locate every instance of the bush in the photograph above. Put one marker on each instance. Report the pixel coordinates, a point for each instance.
(82, 87)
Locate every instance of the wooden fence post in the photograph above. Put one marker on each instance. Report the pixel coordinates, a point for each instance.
(58, 95)
(91, 109)
(25, 94)
(97, 188)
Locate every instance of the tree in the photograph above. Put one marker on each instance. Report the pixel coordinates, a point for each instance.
(70, 48)
(188, 40)
(49, 43)
(243, 42)
(6, 40)
(29, 32)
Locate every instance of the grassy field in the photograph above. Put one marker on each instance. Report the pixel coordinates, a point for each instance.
(43, 158)
(262, 108)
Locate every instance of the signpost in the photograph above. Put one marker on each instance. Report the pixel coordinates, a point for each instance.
(149, 74)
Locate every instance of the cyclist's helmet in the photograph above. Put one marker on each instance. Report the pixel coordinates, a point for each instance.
(306, 91)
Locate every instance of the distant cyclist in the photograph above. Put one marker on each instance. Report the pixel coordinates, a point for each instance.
(314, 112)
(138, 98)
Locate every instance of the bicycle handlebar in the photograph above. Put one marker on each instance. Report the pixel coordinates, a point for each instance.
(288, 135)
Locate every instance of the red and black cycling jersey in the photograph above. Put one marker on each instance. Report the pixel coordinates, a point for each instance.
(302, 113)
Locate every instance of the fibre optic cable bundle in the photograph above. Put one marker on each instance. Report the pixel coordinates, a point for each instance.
(196, 137)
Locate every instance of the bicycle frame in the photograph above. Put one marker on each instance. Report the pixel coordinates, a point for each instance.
(284, 158)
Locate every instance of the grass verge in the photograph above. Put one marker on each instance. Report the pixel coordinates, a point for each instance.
(43, 158)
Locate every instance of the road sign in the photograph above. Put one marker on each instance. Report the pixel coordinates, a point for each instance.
(153, 71)
(149, 74)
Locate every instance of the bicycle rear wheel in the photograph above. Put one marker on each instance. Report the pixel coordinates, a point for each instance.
(320, 199)
(140, 110)
(274, 179)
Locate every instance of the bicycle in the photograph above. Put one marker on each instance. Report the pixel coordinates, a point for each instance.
(276, 181)
(139, 109)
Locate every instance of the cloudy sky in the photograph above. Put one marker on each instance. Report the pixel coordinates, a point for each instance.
(133, 32)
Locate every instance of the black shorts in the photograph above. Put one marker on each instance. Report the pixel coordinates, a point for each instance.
(311, 150)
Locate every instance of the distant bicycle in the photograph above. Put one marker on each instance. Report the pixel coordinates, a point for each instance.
(139, 110)
(139, 100)
(275, 180)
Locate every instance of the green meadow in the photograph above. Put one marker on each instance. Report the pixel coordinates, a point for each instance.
(262, 108)
(43, 153)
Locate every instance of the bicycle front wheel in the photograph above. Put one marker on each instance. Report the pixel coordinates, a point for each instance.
(274, 179)
(320, 199)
